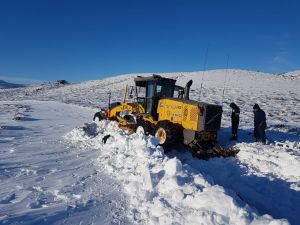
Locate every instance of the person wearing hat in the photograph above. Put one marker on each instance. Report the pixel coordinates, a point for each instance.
(235, 120)
(260, 124)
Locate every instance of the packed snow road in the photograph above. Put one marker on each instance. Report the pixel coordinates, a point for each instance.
(44, 180)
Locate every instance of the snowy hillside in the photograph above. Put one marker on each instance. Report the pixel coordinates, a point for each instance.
(292, 74)
(55, 169)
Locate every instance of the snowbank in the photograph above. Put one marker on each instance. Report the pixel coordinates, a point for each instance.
(161, 190)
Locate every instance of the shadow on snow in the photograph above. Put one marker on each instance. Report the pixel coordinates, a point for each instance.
(267, 196)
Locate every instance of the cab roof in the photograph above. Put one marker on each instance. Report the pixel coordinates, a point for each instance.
(142, 81)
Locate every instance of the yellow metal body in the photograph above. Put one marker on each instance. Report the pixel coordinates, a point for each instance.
(150, 119)
(135, 108)
(181, 112)
(186, 113)
(189, 114)
(126, 107)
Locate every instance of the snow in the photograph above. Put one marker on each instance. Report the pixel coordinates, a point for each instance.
(55, 168)
(44, 180)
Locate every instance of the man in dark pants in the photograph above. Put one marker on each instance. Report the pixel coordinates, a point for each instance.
(260, 124)
(235, 120)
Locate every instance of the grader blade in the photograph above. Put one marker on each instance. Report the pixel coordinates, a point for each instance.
(215, 151)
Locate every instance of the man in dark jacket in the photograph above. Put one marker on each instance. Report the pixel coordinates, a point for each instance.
(260, 124)
(235, 120)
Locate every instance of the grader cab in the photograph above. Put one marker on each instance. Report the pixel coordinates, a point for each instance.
(163, 109)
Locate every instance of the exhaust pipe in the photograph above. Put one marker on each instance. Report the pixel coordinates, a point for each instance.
(187, 90)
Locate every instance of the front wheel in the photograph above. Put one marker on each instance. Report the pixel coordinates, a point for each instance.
(168, 133)
(98, 117)
(143, 127)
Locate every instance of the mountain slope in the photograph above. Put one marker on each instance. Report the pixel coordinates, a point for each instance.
(4, 84)
(260, 186)
(292, 74)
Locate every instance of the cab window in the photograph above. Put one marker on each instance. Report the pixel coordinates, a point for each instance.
(164, 91)
(178, 92)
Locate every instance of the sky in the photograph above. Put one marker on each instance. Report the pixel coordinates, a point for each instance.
(47, 40)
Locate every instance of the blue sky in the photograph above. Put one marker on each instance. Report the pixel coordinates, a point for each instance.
(46, 40)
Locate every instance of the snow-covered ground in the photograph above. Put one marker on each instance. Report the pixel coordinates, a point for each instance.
(43, 179)
(55, 169)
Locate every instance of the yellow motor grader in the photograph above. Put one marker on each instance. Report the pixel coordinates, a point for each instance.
(160, 108)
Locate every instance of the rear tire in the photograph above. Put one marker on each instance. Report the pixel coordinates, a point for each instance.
(168, 133)
(143, 127)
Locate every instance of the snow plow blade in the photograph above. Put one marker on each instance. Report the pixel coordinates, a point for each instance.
(215, 151)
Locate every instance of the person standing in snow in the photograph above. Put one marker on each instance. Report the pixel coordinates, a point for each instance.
(260, 124)
(235, 120)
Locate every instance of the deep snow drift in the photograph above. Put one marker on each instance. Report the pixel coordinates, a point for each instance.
(162, 190)
(55, 167)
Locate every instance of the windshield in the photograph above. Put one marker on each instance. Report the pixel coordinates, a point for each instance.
(164, 91)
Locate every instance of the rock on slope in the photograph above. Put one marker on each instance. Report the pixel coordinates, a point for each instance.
(4, 84)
